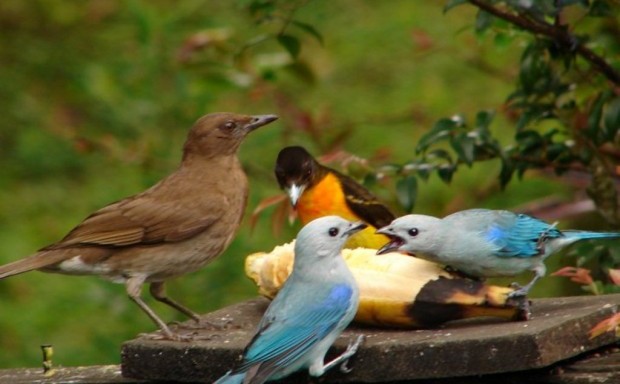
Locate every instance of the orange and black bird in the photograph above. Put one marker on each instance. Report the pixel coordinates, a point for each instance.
(316, 190)
(175, 227)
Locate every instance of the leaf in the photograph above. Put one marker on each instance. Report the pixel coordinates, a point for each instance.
(463, 145)
(291, 44)
(310, 30)
(264, 204)
(484, 119)
(529, 141)
(445, 173)
(608, 325)
(265, 7)
(440, 154)
(502, 40)
(577, 275)
(555, 150)
(506, 172)
(406, 191)
(614, 275)
(423, 170)
(601, 8)
(453, 3)
(611, 119)
(483, 21)
(596, 113)
(440, 130)
(534, 71)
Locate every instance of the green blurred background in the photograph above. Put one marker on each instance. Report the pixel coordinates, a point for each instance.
(97, 97)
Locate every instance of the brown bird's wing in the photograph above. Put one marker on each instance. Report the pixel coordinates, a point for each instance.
(139, 220)
(363, 203)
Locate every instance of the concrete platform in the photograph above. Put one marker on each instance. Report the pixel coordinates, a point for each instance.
(558, 330)
(96, 374)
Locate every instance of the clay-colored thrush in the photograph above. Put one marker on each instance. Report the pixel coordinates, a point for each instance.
(316, 190)
(175, 227)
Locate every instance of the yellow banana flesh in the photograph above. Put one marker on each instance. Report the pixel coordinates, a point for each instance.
(398, 290)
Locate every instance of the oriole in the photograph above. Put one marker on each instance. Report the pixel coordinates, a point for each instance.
(316, 190)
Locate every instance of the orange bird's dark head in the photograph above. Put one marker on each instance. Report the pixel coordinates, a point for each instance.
(296, 171)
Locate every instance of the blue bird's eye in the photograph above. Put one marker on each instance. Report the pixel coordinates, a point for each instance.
(333, 232)
(413, 232)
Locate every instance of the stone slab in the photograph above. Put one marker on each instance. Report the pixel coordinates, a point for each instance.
(557, 330)
(96, 374)
(601, 366)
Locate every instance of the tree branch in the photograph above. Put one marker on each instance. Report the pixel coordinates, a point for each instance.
(557, 33)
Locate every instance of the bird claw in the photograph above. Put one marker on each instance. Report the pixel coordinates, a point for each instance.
(344, 368)
(519, 291)
(351, 350)
(522, 304)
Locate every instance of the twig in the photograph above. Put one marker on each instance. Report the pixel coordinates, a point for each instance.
(558, 33)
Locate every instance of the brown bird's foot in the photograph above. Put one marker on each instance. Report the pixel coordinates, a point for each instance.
(158, 291)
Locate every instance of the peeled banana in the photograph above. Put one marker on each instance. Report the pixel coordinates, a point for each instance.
(398, 290)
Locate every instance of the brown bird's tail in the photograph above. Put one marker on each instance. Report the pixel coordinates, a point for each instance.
(36, 261)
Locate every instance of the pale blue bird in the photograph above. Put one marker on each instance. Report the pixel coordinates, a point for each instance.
(317, 302)
(482, 242)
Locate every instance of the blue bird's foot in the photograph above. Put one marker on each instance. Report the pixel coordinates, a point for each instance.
(519, 291)
(351, 350)
(522, 303)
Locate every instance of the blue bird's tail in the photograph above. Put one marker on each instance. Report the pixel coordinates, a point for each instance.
(585, 235)
(236, 378)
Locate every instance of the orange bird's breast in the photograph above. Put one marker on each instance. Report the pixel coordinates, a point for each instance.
(327, 198)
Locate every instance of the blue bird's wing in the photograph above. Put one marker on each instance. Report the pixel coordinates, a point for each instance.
(519, 235)
(282, 340)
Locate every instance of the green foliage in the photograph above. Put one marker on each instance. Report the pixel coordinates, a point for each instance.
(566, 114)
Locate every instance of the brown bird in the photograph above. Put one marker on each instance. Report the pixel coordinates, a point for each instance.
(175, 227)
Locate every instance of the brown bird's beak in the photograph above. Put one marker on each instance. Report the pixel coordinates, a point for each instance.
(395, 241)
(258, 121)
(355, 227)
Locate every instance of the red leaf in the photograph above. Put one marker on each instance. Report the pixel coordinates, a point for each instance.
(607, 325)
(264, 204)
(577, 275)
(614, 275)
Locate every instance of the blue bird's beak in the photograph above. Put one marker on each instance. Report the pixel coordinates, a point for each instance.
(395, 241)
(355, 227)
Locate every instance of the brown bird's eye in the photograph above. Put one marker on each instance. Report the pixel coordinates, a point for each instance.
(333, 232)
(413, 232)
(230, 125)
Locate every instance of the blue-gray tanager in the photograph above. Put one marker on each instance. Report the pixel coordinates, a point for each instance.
(482, 242)
(317, 302)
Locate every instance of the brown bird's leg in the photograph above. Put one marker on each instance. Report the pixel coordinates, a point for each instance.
(134, 288)
(158, 291)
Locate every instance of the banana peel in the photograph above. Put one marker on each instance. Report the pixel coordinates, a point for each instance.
(398, 290)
